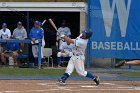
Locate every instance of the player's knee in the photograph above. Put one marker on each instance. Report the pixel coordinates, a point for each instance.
(59, 54)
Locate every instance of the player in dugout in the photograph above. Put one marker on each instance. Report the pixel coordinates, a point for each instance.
(37, 33)
(5, 33)
(12, 50)
(65, 50)
(63, 30)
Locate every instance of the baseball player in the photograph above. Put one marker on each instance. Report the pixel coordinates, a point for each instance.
(65, 50)
(77, 59)
(37, 33)
(20, 32)
(63, 30)
(12, 49)
(124, 62)
(5, 33)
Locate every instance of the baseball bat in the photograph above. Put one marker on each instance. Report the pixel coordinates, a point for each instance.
(43, 22)
(53, 24)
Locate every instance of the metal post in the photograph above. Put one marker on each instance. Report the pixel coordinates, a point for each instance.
(28, 21)
(88, 47)
(39, 53)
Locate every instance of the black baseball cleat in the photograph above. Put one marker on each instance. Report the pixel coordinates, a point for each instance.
(62, 82)
(122, 63)
(97, 80)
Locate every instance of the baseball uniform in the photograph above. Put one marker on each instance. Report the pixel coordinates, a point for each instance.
(63, 31)
(78, 58)
(65, 50)
(38, 34)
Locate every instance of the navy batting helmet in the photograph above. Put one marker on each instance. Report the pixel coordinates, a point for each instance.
(88, 34)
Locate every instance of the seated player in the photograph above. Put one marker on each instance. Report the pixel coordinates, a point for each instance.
(124, 62)
(5, 33)
(21, 34)
(65, 50)
(12, 50)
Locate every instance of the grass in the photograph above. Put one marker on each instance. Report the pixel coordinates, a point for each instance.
(135, 74)
(32, 72)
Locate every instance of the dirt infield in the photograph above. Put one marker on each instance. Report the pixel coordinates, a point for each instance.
(47, 86)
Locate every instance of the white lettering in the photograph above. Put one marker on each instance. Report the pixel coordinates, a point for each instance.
(126, 46)
(108, 14)
(94, 45)
(115, 46)
(119, 46)
(101, 46)
(107, 45)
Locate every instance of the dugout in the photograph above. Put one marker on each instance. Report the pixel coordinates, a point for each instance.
(73, 12)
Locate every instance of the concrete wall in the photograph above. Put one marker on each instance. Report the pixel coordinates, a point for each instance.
(102, 62)
(83, 21)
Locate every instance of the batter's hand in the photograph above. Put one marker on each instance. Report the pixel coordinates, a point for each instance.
(62, 36)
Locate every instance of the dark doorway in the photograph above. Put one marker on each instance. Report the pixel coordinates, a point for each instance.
(12, 17)
(28, 18)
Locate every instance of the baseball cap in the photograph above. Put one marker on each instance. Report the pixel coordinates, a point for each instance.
(19, 23)
(37, 22)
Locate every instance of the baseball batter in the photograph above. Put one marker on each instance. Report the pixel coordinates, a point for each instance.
(37, 33)
(65, 50)
(77, 60)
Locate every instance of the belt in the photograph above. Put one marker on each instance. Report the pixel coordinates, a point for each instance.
(77, 54)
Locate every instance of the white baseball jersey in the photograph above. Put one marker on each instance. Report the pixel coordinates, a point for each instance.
(5, 34)
(65, 47)
(79, 46)
(77, 60)
(63, 31)
(20, 33)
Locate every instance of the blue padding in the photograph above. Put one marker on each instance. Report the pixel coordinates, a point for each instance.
(23, 56)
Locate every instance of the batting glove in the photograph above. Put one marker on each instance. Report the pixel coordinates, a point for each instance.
(62, 36)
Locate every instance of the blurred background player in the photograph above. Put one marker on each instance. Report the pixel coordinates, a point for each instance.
(20, 32)
(5, 33)
(124, 62)
(78, 58)
(11, 50)
(63, 30)
(65, 50)
(37, 33)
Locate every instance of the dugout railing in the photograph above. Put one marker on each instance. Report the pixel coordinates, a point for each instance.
(28, 41)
